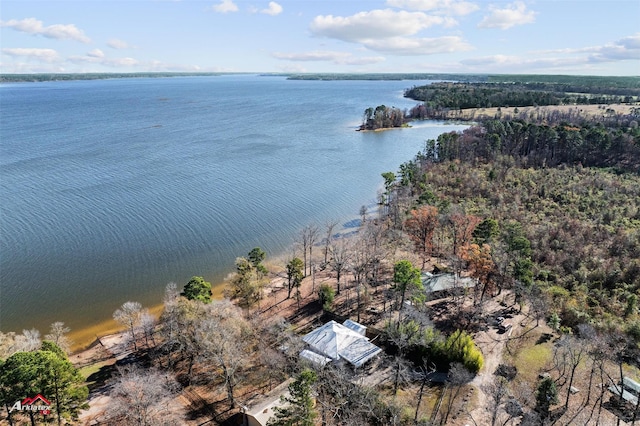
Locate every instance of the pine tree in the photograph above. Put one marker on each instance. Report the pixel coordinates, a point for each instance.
(298, 409)
(546, 396)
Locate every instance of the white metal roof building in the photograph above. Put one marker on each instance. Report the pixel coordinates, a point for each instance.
(314, 358)
(337, 341)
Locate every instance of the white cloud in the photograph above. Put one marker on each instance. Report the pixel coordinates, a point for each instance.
(96, 56)
(504, 63)
(273, 9)
(57, 31)
(311, 56)
(44, 55)
(114, 43)
(376, 24)
(493, 60)
(452, 7)
(96, 53)
(362, 60)
(623, 49)
(225, 6)
(631, 42)
(514, 14)
(569, 60)
(156, 65)
(418, 46)
(627, 48)
(388, 31)
(339, 58)
(120, 62)
(292, 68)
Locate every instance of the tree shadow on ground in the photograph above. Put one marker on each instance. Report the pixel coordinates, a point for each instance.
(100, 378)
(306, 311)
(217, 411)
(544, 338)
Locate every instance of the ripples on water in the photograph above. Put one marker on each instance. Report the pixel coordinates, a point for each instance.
(112, 188)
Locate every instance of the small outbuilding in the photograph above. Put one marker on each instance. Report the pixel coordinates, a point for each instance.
(434, 283)
(628, 390)
(259, 412)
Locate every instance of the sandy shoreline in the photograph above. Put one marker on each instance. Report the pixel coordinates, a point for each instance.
(84, 338)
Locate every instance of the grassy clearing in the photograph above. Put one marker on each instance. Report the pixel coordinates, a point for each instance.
(407, 398)
(94, 368)
(530, 355)
(96, 374)
(533, 359)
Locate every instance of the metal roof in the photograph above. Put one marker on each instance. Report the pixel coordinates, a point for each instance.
(315, 358)
(337, 341)
(442, 282)
(355, 326)
(631, 385)
(626, 395)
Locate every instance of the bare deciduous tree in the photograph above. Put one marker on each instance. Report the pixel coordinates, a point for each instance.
(328, 240)
(148, 326)
(7, 344)
(129, 316)
(497, 391)
(143, 397)
(342, 402)
(28, 341)
(58, 335)
(458, 377)
(568, 354)
(308, 237)
(340, 259)
(227, 341)
(169, 321)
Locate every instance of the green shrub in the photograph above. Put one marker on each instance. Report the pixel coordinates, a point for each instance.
(460, 347)
(326, 294)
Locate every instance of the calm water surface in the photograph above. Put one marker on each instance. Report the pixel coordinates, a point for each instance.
(110, 189)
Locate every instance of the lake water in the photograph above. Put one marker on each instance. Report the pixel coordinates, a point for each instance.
(110, 189)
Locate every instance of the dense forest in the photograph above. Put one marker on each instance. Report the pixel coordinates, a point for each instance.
(487, 95)
(571, 183)
(583, 225)
(592, 82)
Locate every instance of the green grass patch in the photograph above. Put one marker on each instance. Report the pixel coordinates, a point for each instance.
(97, 374)
(88, 370)
(531, 360)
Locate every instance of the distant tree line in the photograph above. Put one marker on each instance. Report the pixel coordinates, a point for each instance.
(387, 76)
(15, 78)
(591, 81)
(487, 95)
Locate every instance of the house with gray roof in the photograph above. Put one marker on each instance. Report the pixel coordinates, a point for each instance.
(340, 342)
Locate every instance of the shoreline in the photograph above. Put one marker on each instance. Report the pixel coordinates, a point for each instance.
(84, 338)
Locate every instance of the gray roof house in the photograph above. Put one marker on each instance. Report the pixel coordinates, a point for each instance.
(340, 342)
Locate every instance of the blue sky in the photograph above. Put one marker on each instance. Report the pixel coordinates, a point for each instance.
(589, 37)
